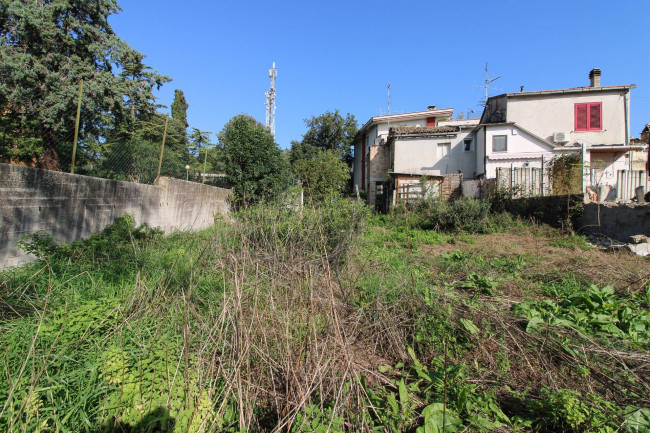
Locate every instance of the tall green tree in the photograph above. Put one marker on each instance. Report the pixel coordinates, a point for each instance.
(254, 164)
(46, 49)
(329, 131)
(323, 175)
(179, 115)
(179, 108)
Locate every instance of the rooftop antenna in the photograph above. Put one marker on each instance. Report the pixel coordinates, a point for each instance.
(270, 102)
(486, 85)
(389, 86)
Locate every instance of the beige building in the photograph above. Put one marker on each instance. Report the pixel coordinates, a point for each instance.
(399, 149)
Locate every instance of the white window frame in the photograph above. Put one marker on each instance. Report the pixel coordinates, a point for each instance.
(446, 144)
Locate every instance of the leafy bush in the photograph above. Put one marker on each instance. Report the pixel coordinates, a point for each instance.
(463, 214)
(568, 410)
(113, 246)
(594, 310)
(323, 175)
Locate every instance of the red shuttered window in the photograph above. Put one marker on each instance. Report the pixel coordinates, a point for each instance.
(589, 116)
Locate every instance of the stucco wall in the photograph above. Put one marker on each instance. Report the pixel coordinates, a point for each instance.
(544, 115)
(420, 156)
(522, 149)
(71, 207)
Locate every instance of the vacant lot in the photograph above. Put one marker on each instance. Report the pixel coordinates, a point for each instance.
(326, 319)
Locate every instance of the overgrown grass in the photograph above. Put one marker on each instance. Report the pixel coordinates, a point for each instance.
(326, 318)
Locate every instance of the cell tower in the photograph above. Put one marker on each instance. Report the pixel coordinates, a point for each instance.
(270, 102)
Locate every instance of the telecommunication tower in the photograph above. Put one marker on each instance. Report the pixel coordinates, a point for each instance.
(270, 102)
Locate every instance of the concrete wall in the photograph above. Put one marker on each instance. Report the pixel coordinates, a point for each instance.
(71, 207)
(617, 222)
(545, 114)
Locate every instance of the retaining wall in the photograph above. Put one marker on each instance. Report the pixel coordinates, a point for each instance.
(616, 221)
(71, 207)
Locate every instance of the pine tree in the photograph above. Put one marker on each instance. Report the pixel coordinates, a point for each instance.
(47, 48)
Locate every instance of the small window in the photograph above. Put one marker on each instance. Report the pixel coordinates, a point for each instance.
(588, 116)
(443, 149)
(467, 145)
(499, 143)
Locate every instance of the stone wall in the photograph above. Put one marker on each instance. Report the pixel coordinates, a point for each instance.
(71, 207)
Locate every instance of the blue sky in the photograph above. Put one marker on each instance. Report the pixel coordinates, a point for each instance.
(342, 54)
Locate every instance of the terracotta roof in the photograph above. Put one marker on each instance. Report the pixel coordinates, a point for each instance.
(423, 130)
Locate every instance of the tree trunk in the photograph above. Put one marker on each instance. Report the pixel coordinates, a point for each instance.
(49, 160)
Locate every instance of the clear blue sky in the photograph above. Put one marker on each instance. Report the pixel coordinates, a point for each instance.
(342, 54)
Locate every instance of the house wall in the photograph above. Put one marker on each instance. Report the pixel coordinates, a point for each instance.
(419, 156)
(356, 168)
(479, 140)
(605, 165)
(522, 149)
(545, 114)
(376, 131)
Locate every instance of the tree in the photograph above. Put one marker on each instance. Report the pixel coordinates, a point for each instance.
(179, 108)
(179, 114)
(47, 48)
(329, 131)
(200, 143)
(254, 164)
(323, 175)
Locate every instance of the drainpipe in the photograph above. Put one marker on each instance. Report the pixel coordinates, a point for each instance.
(627, 119)
(484, 153)
(585, 169)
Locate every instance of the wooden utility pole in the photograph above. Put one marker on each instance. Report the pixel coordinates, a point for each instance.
(205, 164)
(76, 127)
(162, 148)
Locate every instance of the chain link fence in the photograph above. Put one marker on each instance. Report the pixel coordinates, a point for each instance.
(136, 144)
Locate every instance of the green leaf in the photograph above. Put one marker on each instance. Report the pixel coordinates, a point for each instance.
(638, 421)
(469, 326)
(534, 323)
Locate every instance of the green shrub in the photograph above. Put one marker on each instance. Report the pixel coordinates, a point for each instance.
(463, 214)
(568, 410)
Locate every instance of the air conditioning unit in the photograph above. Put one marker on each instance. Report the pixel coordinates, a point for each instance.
(561, 137)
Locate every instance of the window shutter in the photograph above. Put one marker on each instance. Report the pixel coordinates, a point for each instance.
(594, 116)
(431, 121)
(581, 117)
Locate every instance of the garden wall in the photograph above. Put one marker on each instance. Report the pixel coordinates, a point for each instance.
(71, 207)
(616, 221)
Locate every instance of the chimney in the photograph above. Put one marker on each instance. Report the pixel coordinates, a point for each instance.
(594, 77)
(521, 88)
(432, 107)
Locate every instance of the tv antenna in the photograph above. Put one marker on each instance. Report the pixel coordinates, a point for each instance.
(389, 86)
(486, 84)
(270, 102)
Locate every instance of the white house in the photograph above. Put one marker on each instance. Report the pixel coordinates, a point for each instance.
(404, 147)
(522, 131)
(525, 129)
